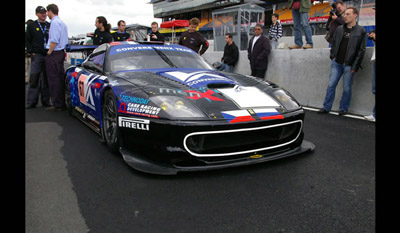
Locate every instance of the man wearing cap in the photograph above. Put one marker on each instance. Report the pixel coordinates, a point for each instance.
(58, 39)
(36, 37)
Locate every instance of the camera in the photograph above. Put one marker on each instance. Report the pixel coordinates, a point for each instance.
(334, 10)
(369, 36)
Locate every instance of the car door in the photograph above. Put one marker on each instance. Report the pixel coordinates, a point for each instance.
(90, 81)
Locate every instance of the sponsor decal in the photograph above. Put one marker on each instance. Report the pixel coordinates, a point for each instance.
(198, 78)
(130, 48)
(131, 99)
(85, 94)
(174, 149)
(84, 115)
(88, 87)
(236, 116)
(139, 110)
(134, 123)
(256, 156)
(200, 95)
(268, 114)
(196, 94)
(311, 19)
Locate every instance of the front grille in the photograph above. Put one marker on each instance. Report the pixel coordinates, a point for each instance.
(242, 141)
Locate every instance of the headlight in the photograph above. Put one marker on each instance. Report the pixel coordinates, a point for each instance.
(177, 107)
(286, 100)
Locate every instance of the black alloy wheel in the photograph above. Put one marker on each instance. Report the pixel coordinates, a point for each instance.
(68, 101)
(110, 122)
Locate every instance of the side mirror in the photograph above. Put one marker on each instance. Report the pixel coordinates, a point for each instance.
(92, 66)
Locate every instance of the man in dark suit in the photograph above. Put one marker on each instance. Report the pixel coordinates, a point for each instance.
(257, 52)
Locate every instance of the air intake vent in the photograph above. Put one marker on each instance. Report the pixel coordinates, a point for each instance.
(242, 141)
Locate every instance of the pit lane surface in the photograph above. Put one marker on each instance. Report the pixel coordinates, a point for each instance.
(73, 184)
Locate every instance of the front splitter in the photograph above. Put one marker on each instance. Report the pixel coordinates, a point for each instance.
(143, 164)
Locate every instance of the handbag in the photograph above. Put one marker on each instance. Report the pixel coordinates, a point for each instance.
(296, 5)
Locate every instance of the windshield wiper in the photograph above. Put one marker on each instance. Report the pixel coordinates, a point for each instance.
(165, 58)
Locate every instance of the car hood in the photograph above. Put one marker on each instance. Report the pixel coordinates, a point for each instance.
(219, 95)
(198, 78)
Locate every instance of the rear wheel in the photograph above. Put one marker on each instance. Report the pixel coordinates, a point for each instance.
(110, 121)
(68, 101)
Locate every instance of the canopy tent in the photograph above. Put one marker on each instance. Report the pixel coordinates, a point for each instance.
(174, 24)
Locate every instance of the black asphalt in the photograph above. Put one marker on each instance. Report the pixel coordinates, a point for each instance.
(329, 190)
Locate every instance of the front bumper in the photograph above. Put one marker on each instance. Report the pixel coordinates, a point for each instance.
(143, 164)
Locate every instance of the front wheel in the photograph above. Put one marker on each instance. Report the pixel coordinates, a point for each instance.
(110, 121)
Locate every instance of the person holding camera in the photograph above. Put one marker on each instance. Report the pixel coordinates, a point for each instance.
(335, 19)
(155, 35)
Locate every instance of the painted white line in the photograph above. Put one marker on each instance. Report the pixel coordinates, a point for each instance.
(336, 113)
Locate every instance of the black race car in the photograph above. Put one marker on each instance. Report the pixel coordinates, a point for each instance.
(166, 110)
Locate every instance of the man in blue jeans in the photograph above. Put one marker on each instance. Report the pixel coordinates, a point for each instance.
(300, 9)
(231, 54)
(347, 53)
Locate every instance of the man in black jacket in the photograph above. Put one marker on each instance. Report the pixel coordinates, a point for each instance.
(120, 34)
(258, 51)
(102, 33)
(155, 35)
(231, 54)
(347, 53)
(36, 37)
(193, 39)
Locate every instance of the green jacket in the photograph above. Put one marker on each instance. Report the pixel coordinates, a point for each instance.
(305, 5)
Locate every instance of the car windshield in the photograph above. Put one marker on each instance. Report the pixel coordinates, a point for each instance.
(154, 57)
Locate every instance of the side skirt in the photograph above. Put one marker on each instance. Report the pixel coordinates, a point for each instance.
(87, 120)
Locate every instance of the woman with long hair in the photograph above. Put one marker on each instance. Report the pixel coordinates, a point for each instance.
(102, 33)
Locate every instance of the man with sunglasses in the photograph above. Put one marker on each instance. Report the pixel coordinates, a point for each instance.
(258, 51)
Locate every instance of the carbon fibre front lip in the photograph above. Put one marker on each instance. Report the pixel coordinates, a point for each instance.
(142, 164)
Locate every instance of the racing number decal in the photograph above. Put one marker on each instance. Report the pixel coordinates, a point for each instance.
(81, 88)
(85, 94)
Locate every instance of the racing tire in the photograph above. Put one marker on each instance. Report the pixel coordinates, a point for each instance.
(68, 102)
(110, 122)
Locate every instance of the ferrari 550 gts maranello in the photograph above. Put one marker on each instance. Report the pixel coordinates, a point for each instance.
(166, 110)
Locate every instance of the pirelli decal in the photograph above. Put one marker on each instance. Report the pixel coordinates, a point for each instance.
(134, 123)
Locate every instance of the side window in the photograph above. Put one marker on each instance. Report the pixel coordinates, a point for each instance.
(98, 59)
